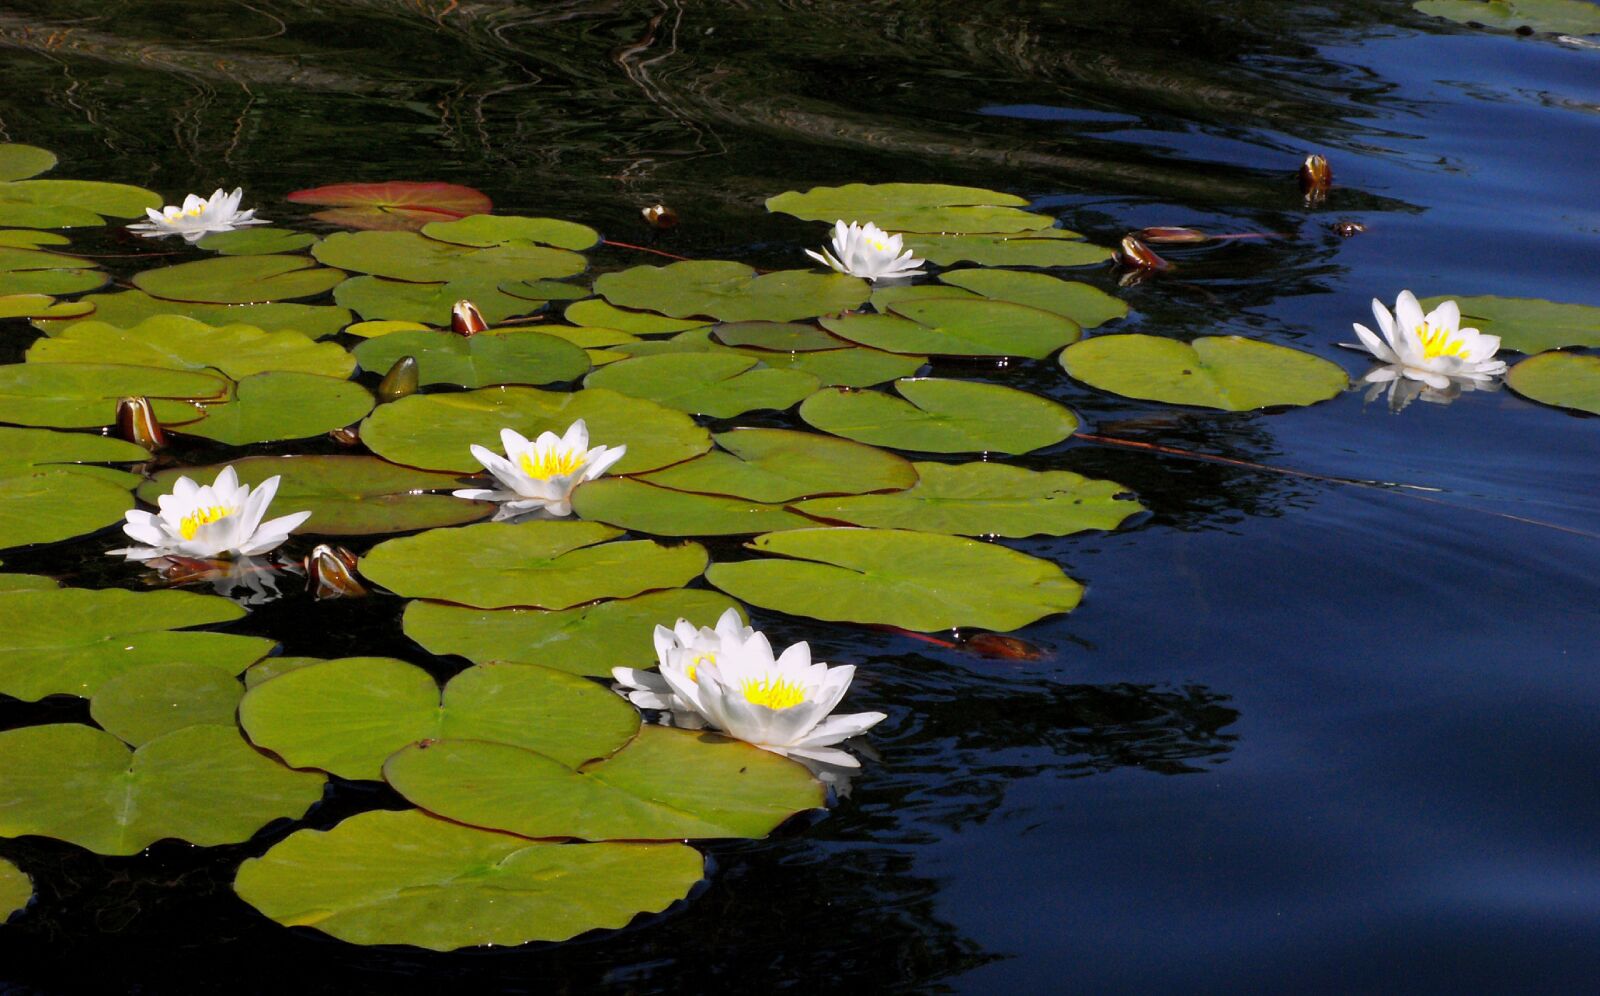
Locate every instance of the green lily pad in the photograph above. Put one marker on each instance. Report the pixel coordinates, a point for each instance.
(257, 241)
(152, 701)
(413, 257)
(1566, 380)
(783, 337)
(81, 395)
(912, 207)
(1567, 17)
(1227, 372)
(394, 300)
(23, 238)
(589, 639)
(665, 784)
(716, 384)
(273, 406)
(71, 203)
(18, 162)
(16, 889)
(26, 582)
(179, 343)
(201, 784)
(23, 450)
(382, 327)
(958, 327)
(731, 292)
(346, 495)
(645, 508)
(435, 430)
(985, 499)
(347, 716)
(494, 357)
(942, 416)
(129, 308)
(547, 565)
(894, 577)
(1047, 247)
(483, 230)
(778, 465)
(852, 366)
(600, 314)
(39, 271)
(41, 306)
(239, 280)
(56, 503)
(1526, 324)
(1088, 306)
(69, 641)
(383, 877)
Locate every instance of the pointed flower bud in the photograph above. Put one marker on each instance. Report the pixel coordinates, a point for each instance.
(136, 422)
(466, 319)
(400, 381)
(331, 573)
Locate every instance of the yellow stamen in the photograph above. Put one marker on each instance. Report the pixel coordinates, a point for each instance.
(706, 658)
(201, 517)
(774, 693)
(551, 463)
(1437, 343)
(879, 246)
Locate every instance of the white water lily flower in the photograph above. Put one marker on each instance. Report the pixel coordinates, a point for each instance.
(198, 216)
(869, 252)
(1401, 390)
(683, 649)
(541, 475)
(1432, 348)
(221, 519)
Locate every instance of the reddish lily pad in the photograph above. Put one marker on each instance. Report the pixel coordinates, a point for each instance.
(393, 204)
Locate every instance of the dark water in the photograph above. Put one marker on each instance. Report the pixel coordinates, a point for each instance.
(1301, 735)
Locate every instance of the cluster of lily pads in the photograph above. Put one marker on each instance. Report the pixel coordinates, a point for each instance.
(543, 803)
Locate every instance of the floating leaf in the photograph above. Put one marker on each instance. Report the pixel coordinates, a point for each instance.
(716, 384)
(492, 357)
(589, 639)
(731, 292)
(1568, 17)
(272, 406)
(71, 203)
(499, 229)
(1049, 247)
(38, 468)
(393, 204)
(38, 271)
(26, 582)
(645, 508)
(543, 564)
(1526, 324)
(16, 889)
(665, 784)
(985, 499)
(1227, 372)
(395, 300)
(1566, 380)
(942, 416)
(347, 716)
(852, 366)
(180, 343)
(81, 395)
(129, 308)
(256, 241)
(201, 784)
(383, 877)
(414, 257)
(1088, 306)
(18, 162)
(912, 207)
(41, 306)
(958, 327)
(784, 337)
(148, 702)
(372, 330)
(239, 280)
(435, 430)
(778, 465)
(599, 314)
(22, 450)
(913, 580)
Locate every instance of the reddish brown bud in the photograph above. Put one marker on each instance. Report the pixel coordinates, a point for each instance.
(1316, 176)
(1135, 255)
(136, 422)
(348, 436)
(466, 319)
(660, 216)
(331, 573)
(1004, 647)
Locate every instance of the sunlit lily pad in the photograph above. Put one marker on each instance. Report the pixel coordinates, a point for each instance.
(778, 465)
(129, 308)
(717, 384)
(1047, 247)
(1566, 380)
(435, 430)
(148, 702)
(495, 357)
(80, 395)
(731, 292)
(41, 306)
(547, 565)
(346, 495)
(239, 279)
(912, 207)
(201, 784)
(18, 162)
(69, 641)
(665, 784)
(71, 203)
(273, 406)
(942, 416)
(645, 508)
(414, 257)
(782, 337)
(39, 469)
(39, 271)
(851, 366)
(179, 343)
(392, 204)
(588, 639)
(23, 450)
(26, 582)
(24, 238)
(959, 327)
(16, 889)
(1227, 372)
(1527, 324)
(985, 499)
(383, 877)
(383, 327)
(1088, 306)
(600, 314)
(256, 241)
(1569, 17)
(485, 230)
(396, 300)
(913, 580)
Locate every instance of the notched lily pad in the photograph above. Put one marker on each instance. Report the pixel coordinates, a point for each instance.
(239, 280)
(39, 271)
(83, 395)
(377, 298)
(71, 203)
(597, 313)
(942, 416)
(281, 405)
(148, 702)
(1087, 305)
(18, 162)
(1566, 380)
(179, 343)
(717, 384)
(256, 241)
(778, 465)
(492, 357)
(731, 292)
(413, 257)
(644, 508)
(959, 327)
(392, 204)
(128, 308)
(1227, 372)
(1047, 247)
(913, 207)
(484, 230)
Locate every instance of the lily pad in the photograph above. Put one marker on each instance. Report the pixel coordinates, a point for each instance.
(494, 357)
(129, 308)
(589, 639)
(1087, 305)
(23, 450)
(47, 495)
(717, 384)
(239, 280)
(852, 366)
(435, 430)
(942, 416)
(26, 582)
(272, 406)
(39, 271)
(257, 241)
(414, 257)
(150, 702)
(778, 465)
(41, 306)
(201, 784)
(383, 877)
(81, 395)
(347, 716)
(912, 207)
(179, 343)
(645, 508)
(782, 337)
(485, 230)
(985, 499)
(547, 565)
(1526, 324)
(1227, 372)
(731, 292)
(1566, 380)
(23, 238)
(71, 203)
(69, 641)
(18, 162)
(1567, 17)
(392, 204)
(665, 784)
(893, 577)
(16, 889)
(383, 327)
(1048, 247)
(959, 327)
(600, 314)
(396, 300)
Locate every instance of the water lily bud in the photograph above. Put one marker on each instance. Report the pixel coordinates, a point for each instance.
(660, 216)
(1348, 228)
(331, 573)
(400, 381)
(466, 319)
(347, 436)
(1316, 176)
(1162, 235)
(1137, 256)
(136, 422)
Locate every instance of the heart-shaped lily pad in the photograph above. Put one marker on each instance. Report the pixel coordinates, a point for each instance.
(28, 239)
(129, 308)
(68, 641)
(395, 300)
(180, 343)
(985, 499)
(256, 241)
(959, 327)
(851, 366)
(1567, 380)
(498, 357)
(665, 784)
(913, 580)
(600, 314)
(1088, 306)
(37, 271)
(483, 230)
(383, 877)
(347, 716)
(780, 337)
(18, 162)
(1527, 324)
(547, 565)
(148, 702)
(71, 203)
(414, 257)
(720, 385)
(201, 784)
(1568, 17)
(942, 416)
(1048, 247)
(272, 406)
(47, 495)
(644, 508)
(41, 306)
(731, 292)
(588, 639)
(393, 204)
(1227, 372)
(778, 465)
(81, 395)
(912, 207)
(239, 280)
(16, 889)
